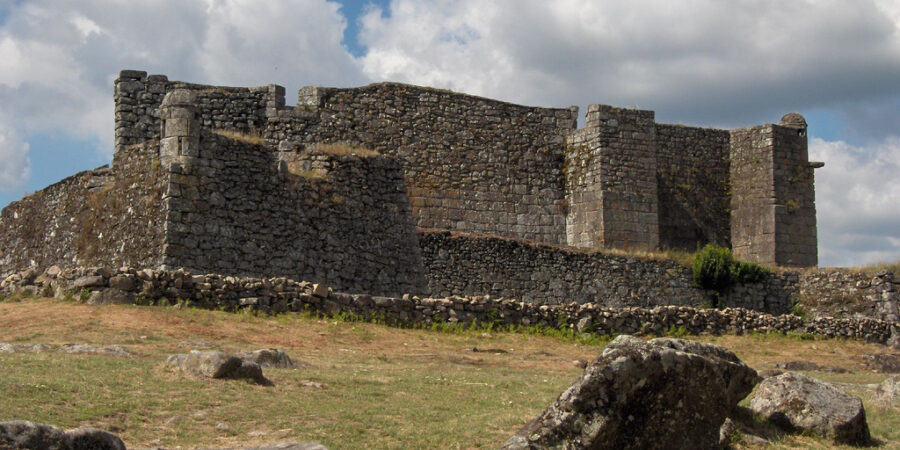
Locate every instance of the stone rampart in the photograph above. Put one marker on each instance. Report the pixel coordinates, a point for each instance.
(471, 163)
(138, 98)
(277, 295)
(101, 216)
(238, 209)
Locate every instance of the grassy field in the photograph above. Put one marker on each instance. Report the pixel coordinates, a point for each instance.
(357, 385)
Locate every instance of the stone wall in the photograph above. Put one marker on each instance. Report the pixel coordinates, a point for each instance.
(833, 293)
(773, 198)
(238, 210)
(795, 213)
(101, 216)
(611, 180)
(276, 295)
(457, 264)
(138, 98)
(478, 165)
(753, 194)
(472, 164)
(693, 167)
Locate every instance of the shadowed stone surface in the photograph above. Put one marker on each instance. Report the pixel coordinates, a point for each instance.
(665, 393)
(94, 439)
(268, 357)
(25, 434)
(797, 401)
(215, 364)
(882, 362)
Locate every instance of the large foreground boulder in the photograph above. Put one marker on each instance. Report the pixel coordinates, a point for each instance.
(22, 434)
(661, 394)
(798, 402)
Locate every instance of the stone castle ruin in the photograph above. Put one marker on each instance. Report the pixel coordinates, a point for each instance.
(370, 190)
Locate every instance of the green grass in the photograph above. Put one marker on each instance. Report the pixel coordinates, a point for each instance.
(383, 387)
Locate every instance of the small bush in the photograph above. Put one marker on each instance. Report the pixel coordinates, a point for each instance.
(715, 268)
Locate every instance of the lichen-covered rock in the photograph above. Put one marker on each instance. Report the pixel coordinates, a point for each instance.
(268, 357)
(210, 364)
(888, 391)
(29, 435)
(795, 401)
(85, 438)
(882, 362)
(665, 393)
(213, 364)
(23, 348)
(110, 350)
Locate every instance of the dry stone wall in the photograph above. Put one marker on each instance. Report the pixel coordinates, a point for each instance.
(543, 274)
(101, 216)
(276, 295)
(833, 293)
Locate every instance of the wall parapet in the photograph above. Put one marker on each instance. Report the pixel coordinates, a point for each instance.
(277, 295)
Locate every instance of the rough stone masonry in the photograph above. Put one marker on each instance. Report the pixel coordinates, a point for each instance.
(232, 181)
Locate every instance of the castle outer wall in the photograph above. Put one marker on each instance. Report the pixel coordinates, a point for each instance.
(230, 180)
(478, 165)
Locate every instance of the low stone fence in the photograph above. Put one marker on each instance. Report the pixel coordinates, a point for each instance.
(850, 294)
(276, 295)
(473, 265)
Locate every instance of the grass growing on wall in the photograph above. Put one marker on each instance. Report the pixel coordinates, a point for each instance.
(343, 149)
(251, 137)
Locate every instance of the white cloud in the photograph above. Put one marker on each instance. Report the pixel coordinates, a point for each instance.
(700, 61)
(60, 57)
(858, 202)
(15, 167)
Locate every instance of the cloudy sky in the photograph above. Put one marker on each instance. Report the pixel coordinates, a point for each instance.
(709, 63)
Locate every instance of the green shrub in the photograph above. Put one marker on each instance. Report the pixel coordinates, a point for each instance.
(715, 268)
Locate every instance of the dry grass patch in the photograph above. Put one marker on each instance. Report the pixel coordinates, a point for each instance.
(342, 149)
(251, 137)
(361, 384)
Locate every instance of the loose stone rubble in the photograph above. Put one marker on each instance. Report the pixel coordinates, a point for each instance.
(665, 393)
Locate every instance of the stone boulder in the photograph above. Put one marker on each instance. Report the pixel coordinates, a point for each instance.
(24, 434)
(213, 364)
(794, 401)
(110, 350)
(94, 439)
(268, 357)
(29, 435)
(888, 392)
(882, 362)
(665, 393)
